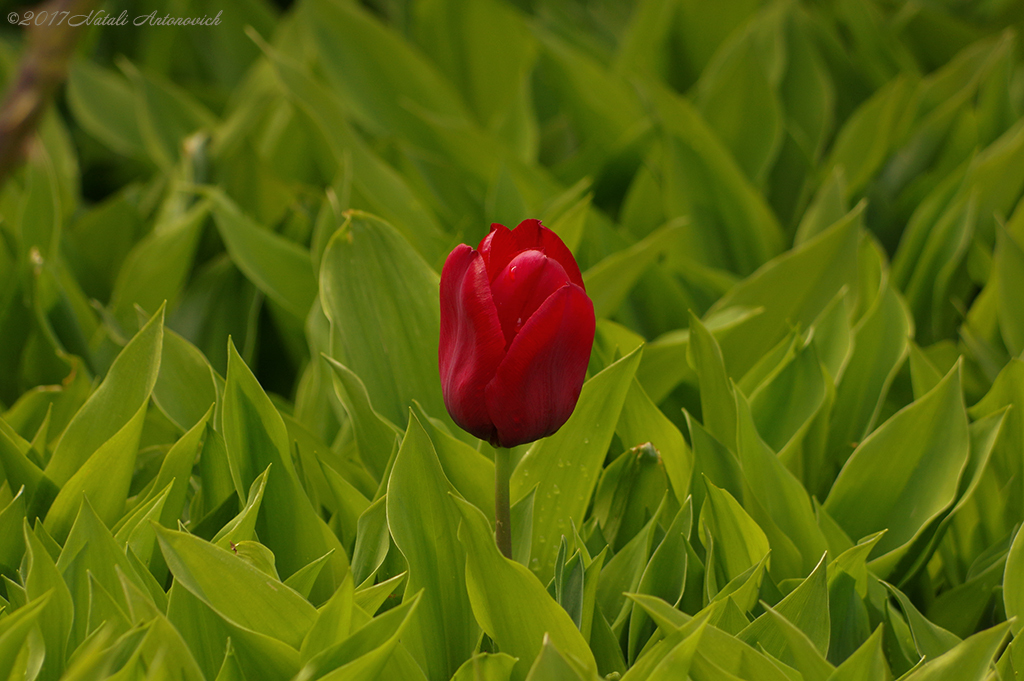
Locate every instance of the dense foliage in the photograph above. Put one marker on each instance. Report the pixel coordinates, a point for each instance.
(799, 453)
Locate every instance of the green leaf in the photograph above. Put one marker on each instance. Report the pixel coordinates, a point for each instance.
(1013, 583)
(275, 265)
(105, 478)
(739, 544)
(641, 421)
(256, 437)
(739, 80)
(424, 524)
(781, 501)
(1009, 275)
(123, 393)
(565, 467)
(235, 590)
(551, 665)
(486, 667)
(793, 289)
(879, 348)
(374, 434)
(806, 608)
(867, 663)
(717, 402)
(610, 281)
(101, 102)
(57, 614)
(17, 627)
(510, 603)
(878, 490)
(731, 225)
(381, 298)
(158, 266)
(968, 661)
(384, 189)
(364, 654)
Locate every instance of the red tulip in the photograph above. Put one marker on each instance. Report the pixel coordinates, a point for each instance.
(516, 332)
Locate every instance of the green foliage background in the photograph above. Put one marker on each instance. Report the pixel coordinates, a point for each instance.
(800, 451)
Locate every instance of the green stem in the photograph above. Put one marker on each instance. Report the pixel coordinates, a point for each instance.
(502, 514)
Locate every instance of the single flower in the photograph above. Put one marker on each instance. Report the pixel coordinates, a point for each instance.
(516, 331)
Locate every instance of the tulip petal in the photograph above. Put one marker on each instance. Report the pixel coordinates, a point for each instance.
(555, 248)
(498, 248)
(471, 341)
(537, 384)
(522, 287)
(501, 245)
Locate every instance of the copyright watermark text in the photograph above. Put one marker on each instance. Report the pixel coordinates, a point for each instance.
(103, 18)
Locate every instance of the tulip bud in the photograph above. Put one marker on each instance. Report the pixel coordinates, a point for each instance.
(516, 332)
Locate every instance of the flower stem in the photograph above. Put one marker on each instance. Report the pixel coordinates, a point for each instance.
(502, 514)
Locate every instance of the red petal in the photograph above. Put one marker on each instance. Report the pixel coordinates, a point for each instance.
(522, 287)
(471, 344)
(532, 234)
(498, 248)
(556, 248)
(537, 384)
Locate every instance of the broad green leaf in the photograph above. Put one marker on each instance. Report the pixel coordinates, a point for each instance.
(235, 590)
(101, 102)
(931, 640)
(92, 553)
(793, 289)
(877, 489)
(275, 265)
(206, 630)
(879, 348)
(486, 667)
(16, 628)
(424, 524)
(373, 540)
(123, 393)
(551, 665)
(1009, 275)
(717, 402)
(386, 191)
(12, 542)
(641, 421)
(731, 225)
(800, 651)
(166, 114)
(739, 80)
(56, 616)
(187, 384)
(256, 437)
(364, 655)
(739, 544)
(790, 397)
(610, 281)
(565, 467)
(333, 622)
(469, 471)
(374, 434)
(104, 478)
(806, 608)
(863, 142)
(510, 603)
(781, 499)
(1013, 583)
(623, 572)
(665, 574)
(381, 298)
(158, 266)
(968, 661)
(243, 526)
(867, 663)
